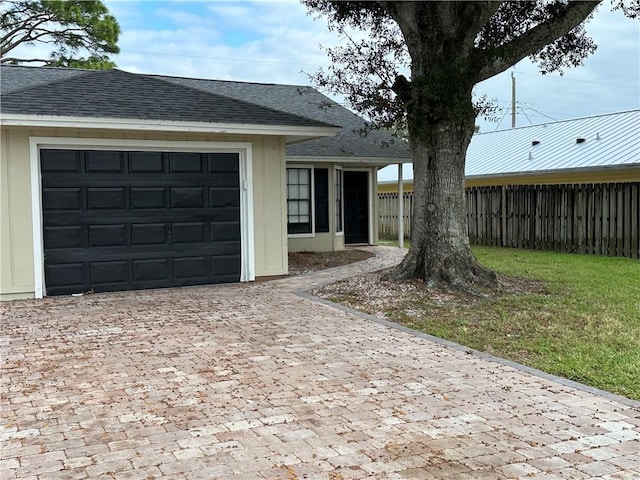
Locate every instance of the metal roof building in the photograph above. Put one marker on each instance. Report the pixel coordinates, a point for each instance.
(598, 148)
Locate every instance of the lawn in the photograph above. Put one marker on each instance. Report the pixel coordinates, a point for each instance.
(581, 319)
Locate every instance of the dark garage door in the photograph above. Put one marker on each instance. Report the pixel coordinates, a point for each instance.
(130, 220)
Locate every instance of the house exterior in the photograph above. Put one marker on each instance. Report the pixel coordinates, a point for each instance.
(597, 149)
(341, 171)
(118, 181)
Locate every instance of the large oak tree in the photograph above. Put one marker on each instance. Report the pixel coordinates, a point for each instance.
(448, 47)
(73, 28)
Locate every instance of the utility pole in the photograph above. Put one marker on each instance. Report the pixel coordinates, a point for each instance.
(513, 101)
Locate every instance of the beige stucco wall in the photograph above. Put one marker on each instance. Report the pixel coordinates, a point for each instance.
(320, 242)
(16, 224)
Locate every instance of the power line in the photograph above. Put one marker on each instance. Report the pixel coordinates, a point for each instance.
(526, 116)
(576, 80)
(543, 114)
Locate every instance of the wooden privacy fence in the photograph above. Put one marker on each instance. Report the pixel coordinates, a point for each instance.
(600, 219)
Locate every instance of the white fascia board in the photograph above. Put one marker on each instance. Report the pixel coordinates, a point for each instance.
(348, 160)
(42, 121)
(606, 168)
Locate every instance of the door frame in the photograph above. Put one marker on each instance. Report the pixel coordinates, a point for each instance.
(370, 192)
(243, 149)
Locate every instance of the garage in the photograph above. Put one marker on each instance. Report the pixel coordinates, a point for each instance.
(124, 220)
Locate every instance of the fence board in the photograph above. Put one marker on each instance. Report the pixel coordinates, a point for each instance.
(599, 219)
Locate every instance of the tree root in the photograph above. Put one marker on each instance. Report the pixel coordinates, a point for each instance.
(460, 273)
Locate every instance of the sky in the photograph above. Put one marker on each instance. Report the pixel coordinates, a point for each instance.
(278, 42)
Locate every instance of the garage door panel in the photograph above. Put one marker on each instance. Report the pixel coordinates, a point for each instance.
(61, 161)
(225, 214)
(107, 235)
(186, 162)
(106, 199)
(104, 162)
(151, 269)
(69, 275)
(127, 220)
(223, 162)
(224, 197)
(148, 197)
(225, 266)
(148, 233)
(224, 231)
(190, 268)
(225, 179)
(146, 162)
(109, 273)
(187, 197)
(188, 232)
(66, 198)
(63, 237)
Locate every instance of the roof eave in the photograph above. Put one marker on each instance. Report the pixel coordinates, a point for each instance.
(379, 161)
(291, 132)
(559, 171)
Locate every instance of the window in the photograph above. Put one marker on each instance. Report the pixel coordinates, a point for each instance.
(299, 200)
(338, 201)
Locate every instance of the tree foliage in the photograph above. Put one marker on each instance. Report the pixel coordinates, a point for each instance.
(491, 37)
(82, 33)
(413, 66)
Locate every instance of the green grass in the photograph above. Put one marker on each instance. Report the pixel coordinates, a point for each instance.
(584, 325)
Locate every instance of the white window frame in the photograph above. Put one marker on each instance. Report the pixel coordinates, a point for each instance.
(338, 233)
(312, 203)
(247, 234)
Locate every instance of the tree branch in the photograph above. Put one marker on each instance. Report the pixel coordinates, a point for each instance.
(497, 60)
(7, 41)
(479, 13)
(11, 60)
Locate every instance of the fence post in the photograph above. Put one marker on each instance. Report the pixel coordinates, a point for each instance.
(400, 207)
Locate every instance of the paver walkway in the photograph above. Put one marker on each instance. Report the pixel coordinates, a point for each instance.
(252, 381)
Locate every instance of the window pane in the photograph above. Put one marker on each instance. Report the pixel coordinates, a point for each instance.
(294, 192)
(303, 192)
(303, 178)
(304, 208)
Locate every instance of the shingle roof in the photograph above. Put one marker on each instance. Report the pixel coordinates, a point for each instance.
(609, 140)
(118, 94)
(308, 102)
(13, 77)
(114, 93)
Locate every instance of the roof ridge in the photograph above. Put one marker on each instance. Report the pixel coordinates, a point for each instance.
(86, 72)
(49, 67)
(238, 82)
(246, 102)
(227, 81)
(555, 122)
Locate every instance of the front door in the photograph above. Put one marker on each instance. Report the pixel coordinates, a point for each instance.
(356, 207)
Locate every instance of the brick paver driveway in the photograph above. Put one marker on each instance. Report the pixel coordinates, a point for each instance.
(253, 381)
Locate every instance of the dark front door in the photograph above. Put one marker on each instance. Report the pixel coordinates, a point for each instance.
(118, 220)
(356, 207)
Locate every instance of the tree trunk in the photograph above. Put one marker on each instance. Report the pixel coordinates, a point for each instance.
(439, 251)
